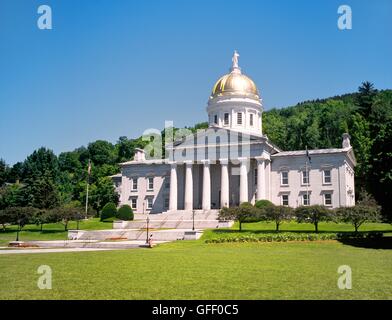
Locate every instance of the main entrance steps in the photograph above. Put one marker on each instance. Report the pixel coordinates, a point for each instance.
(172, 220)
(167, 226)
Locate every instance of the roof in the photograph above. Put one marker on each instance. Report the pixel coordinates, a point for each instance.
(348, 151)
(315, 151)
(149, 161)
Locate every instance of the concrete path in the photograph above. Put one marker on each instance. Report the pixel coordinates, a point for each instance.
(59, 246)
(15, 251)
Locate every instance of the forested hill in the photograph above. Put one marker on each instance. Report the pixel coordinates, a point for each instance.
(366, 115)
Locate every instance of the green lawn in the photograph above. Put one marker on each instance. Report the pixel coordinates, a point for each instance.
(195, 270)
(52, 231)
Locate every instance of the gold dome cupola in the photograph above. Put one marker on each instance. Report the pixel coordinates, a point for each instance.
(235, 83)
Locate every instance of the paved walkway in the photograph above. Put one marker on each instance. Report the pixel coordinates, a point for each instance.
(59, 246)
(14, 251)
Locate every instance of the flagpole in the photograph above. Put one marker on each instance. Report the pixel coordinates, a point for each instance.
(87, 187)
(307, 175)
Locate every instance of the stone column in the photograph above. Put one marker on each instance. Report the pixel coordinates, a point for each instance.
(206, 201)
(244, 180)
(173, 187)
(260, 179)
(225, 196)
(188, 186)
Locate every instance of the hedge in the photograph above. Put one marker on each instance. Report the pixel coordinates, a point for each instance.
(284, 237)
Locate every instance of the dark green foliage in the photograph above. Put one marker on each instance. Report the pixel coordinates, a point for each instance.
(278, 214)
(64, 215)
(108, 211)
(42, 192)
(4, 170)
(246, 212)
(19, 216)
(291, 236)
(263, 204)
(125, 213)
(41, 162)
(313, 214)
(366, 210)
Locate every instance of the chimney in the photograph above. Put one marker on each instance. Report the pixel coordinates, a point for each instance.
(346, 141)
(140, 155)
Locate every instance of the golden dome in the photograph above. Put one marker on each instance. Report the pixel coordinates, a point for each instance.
(235, 83)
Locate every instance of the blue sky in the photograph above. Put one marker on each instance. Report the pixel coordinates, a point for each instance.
(114, 68)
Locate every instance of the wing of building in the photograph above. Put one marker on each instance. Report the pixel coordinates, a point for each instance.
(232, 162)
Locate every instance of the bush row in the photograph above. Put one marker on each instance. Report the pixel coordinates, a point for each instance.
(284, 237)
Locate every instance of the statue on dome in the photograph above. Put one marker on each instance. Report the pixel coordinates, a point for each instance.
(235, 60)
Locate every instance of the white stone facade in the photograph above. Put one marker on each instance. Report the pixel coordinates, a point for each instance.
(233, 162)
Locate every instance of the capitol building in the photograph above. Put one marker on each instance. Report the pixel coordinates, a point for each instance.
(232, 162)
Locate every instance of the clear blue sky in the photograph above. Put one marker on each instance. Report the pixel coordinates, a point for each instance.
(113, 68)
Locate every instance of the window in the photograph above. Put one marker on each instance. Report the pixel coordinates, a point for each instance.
(166, 203)
(215, 119)
(150, 184)
(239, 118)
(167, 183)
(226, 119)
(251, 119)
(256, 176)
(284, 178)
(149, 203)
(134, 184)
(328, 199)
(306, 199)
(134, 203)
(285, 200)
(305, 177)
(327, 176)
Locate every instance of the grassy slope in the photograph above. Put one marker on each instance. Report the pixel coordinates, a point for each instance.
(52, 231)
(195, 270)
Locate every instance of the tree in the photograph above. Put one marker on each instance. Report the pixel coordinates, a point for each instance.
(246, 212)
(125, 213)
(42, 192)
(41, 217)
(357, 215)
(5, 218)
(41, 162)
(3, 172)
(365, 97)
(65, 214)
(313, 214)
(11, 196)
(101, 193)
(108, 211)
(102, 152)
(278, 214)
(20, 216)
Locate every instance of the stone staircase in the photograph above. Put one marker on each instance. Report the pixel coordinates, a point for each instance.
(167, 226)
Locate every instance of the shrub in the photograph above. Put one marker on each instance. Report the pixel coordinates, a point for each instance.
(261, 204)
(125, 213)
(108, 211)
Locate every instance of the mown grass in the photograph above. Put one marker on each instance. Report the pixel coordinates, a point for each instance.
(51, 231)
(196, 270)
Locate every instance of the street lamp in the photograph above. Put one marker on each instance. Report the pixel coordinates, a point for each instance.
(148, 221)
(193, 220)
